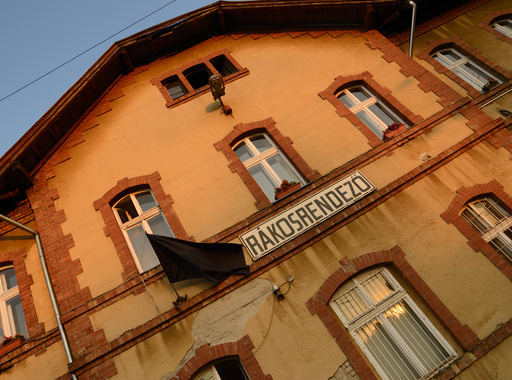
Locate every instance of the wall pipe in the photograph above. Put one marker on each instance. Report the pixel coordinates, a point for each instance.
(413, 25)
(49, 285)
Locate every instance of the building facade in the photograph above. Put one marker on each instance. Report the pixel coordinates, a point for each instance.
(392, 253)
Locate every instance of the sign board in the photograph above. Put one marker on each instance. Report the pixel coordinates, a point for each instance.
(305, 215)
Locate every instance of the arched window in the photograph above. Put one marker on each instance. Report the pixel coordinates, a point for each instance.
(392, 331)
(492, 222)
(230, 369)
(466, 69)
(504, 27)
(138, 213)
(370, 110)
(267, 165)
(11, 312)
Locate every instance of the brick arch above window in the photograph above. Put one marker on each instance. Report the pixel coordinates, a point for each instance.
(319, 303)
(17, 259)
(383, 94)
(112, 228)
(474, 55)
(494, 190)
(207, 355)
(283, 143)
(493, 17)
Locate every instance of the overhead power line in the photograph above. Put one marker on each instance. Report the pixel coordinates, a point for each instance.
(82, 53)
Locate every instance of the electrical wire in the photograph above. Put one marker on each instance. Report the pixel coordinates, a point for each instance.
(86, 51)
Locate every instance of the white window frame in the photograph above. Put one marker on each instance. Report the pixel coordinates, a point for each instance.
(495, 230)
(506, 30)
(7, 318)
(464, 72)
(376, 310)
(372, 99)
(142, 220)
(261, 158)
(216, 375)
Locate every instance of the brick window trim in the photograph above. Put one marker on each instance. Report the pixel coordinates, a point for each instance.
(319, 304)
(17, 259)
(494, 190)
(382, 93)
(475, 55)
(126, 186)
(284, 144)
(206, 355)
(493, 17)
(192, 94)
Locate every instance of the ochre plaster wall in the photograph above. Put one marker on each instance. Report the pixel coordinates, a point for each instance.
(192, 171)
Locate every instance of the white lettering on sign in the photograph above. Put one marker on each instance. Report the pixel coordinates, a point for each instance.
(305, 215)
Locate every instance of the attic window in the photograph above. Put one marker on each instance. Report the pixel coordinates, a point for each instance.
(175, 87)
(191, 79)
(223, 66)
(197, 76)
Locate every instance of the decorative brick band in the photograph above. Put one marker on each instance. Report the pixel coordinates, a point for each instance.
(477, 56)
(319, 304)
(112, 228)
(382, 93)
(283, 143)
(493, 17)
(494, 190)
(207, 354)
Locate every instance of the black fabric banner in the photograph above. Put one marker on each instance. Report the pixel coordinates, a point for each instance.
(183, 260)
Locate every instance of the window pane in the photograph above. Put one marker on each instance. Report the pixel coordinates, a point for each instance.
(223, 66)
(230, 370)
(261, 143)
(176, 90)
(126, 210)
(475, 221)
(370, 123)
(476, 72)
(502, 245)
(282, 169)
(352, 304)
(146, 200)
(490, 211)
(378, 287)
(346, 100)
(159, 226)
(386, 352)
(383, 114)
(243, 152)
(450, 55)
(208, 375)
(142, 247)
(360, 94)
(18, 319)
(264, 180)
(9, 277)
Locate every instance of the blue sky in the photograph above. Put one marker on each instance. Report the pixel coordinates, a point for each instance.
(38, 36)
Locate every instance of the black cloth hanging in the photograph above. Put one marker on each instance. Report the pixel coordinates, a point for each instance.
(183, 260)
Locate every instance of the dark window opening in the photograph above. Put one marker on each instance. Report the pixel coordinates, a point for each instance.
(223, 66)
(198, 76)
(175, 87)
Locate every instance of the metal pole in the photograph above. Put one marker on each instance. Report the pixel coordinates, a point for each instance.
(49, 285)
(413, 25)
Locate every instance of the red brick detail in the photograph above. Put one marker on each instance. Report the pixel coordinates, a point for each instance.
(112, 228)
(319, 304)
(382, 93)
(17, 259)
(22, 213)
(494, 190)
(493, 17)
(104, 370)
(428, 81)
(475, 55)
(192, 94)
(207, 354)
(283, 143)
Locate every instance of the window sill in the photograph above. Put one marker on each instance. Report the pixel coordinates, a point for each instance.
(11, 346)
